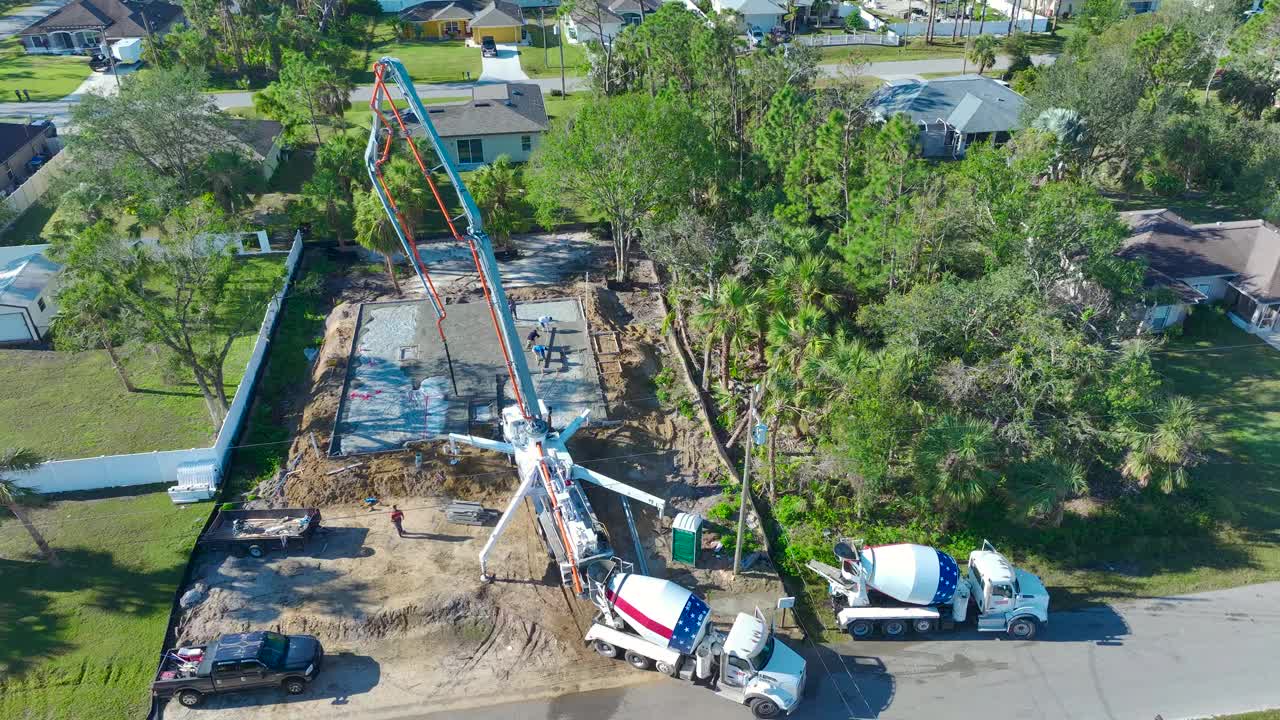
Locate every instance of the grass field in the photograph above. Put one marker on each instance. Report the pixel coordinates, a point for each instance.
(69, 405)
(27, 227)
(943, 50)
(428, 61)
(1196, 209)
(46, 77)
(541, 58)
(1260, 715)
(82, 641)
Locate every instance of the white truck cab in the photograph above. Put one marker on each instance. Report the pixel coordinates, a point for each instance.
(1009, 599)
(758, 671)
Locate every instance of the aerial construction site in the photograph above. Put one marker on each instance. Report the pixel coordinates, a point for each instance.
(517, 426)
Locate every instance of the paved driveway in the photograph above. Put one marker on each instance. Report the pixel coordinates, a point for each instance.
(505, 67)
(1176, 657)
(19, 19)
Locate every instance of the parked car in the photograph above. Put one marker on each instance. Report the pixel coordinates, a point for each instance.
(488, 48)
(99, 63)
(241, 661)
(779, 35)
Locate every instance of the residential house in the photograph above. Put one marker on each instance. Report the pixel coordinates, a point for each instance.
(79, 27)
(262, 140)
(507, 119)
(605, 20)
(952, 112)
(25, 149)
(459, 19)
(1237, 263)
(28, 283)
(758, 15)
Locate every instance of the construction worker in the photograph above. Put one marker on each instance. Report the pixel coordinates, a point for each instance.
(531, 338)
(545, 321)
(541, 352)
(397, 518)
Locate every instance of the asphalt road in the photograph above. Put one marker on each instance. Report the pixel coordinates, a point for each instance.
(1178, 657)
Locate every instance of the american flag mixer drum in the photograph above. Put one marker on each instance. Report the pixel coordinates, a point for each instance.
(915, 574)
(660, 611)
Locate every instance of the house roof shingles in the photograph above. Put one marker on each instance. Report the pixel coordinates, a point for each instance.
(497, 13)
(1246, 249)
(122, 18)
(257, 135)
(497, 110)
(13, 136)
(969, 103)
(23, 280)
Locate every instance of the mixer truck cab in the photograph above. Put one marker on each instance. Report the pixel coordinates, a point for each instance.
(1009, 599)
(656, 624)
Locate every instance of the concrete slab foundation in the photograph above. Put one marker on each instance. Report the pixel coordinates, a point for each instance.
(401, 380)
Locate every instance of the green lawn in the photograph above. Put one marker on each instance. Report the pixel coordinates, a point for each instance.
(541, 58)
(82, 641)
(428, 61)
(1260, 715)
(46, 77)
(1201, 209)
(28, 227)
(69, 405)
(882, 53)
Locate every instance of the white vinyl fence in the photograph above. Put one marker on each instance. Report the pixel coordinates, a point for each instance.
(889, 38)
(161, 466)
(38, 184)
(968, 28)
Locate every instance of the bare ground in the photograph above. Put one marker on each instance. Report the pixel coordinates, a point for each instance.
(408, 620)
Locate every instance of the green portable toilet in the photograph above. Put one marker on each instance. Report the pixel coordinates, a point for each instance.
(686, 538)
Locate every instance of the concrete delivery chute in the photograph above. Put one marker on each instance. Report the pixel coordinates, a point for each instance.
(548, 476)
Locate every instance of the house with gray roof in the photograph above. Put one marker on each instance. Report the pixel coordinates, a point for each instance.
(28, 283)
(79, 27)
(505, 119)
(604, 20)
(1236, 263)
(953, 112)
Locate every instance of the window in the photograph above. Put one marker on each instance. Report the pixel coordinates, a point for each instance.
(526, 143)
(1159, 317)
(1202, 288)
(1001, 590)
(228, 667)
(452, 28)
(40, 304)
(973, 570)
(470, 151)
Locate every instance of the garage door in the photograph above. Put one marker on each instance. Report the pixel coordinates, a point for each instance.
(13, 328)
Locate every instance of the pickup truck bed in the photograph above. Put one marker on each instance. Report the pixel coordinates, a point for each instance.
(256, 532)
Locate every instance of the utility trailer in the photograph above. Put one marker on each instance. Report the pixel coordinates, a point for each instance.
(656, 624)
(257, 532)
(891, 589)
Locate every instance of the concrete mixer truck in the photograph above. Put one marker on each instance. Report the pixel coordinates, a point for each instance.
(655, 623)
(891, 589)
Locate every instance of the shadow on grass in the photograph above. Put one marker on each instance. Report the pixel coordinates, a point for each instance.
(31, 630)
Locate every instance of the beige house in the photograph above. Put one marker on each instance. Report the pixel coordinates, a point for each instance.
(459, 19)
(507, 119)
(80, 27)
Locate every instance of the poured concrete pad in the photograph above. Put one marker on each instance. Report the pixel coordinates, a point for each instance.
(544, 260)
(400, 383)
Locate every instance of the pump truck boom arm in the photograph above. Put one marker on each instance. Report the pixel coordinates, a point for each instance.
(548, 476)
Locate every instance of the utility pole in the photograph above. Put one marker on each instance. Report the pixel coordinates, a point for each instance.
(749, 440)
(560, 44)
(542, 28)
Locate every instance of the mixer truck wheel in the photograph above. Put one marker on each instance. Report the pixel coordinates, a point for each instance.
(638, 661)
(765, 708)
(894, 629)
(665, 668)
(606, 649)
(1023, 628)
(862, 629)
(922, 627)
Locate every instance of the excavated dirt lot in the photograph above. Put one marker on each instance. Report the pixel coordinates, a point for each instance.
(408, 623)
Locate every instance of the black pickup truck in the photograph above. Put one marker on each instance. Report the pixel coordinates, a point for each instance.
(243, 661)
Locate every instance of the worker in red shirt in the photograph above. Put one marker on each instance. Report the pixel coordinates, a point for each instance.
(397, 518)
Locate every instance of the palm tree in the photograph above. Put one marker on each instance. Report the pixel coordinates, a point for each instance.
(955, 459)
(12, 495)
(497, 191)
(710, 322)
(375, 232)
(982, 52)
(804, 280)
(1041, 488)
(1163, 454)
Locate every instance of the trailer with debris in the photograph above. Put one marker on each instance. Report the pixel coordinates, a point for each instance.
(257, 532)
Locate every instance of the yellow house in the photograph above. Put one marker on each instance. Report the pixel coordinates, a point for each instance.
(458, 19)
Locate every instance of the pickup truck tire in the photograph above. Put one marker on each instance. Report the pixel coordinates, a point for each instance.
(893, 629)
(765, 708)
(294, 686)
(1023, 628)
(861, 629)
(190, 698)
(638, 661)
(605, 649)
(256, 551)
